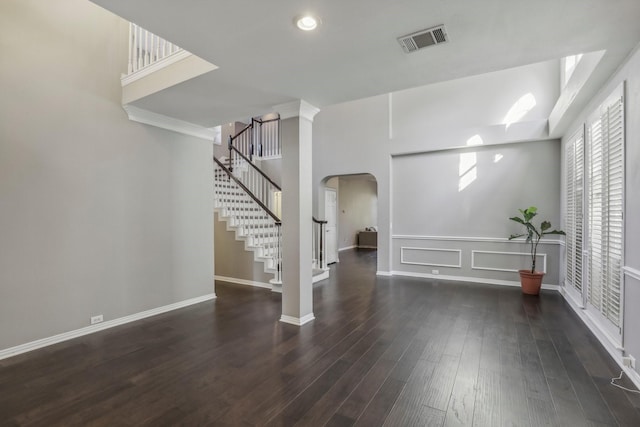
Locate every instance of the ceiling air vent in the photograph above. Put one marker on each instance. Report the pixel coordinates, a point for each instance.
(424, 38)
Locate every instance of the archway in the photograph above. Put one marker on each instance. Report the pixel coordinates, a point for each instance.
(356, 213)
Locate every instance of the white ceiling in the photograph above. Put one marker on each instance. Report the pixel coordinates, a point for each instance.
(264, 60)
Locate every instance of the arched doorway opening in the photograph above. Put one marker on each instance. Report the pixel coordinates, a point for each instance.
(349, 204)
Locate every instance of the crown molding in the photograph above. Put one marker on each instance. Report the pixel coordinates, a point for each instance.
(298, 108)
(165, 122)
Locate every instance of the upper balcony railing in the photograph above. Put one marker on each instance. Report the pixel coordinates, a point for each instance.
(146, 49)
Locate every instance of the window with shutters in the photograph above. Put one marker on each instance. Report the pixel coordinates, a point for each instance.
(605, 207)
(574, 167)
(594, 206)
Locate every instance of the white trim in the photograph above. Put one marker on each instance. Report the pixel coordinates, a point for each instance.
(402, 261)
(243, 282)
(632, 374)
(347, 248)
(631, 272)
(571, 292)
(469, 279)
(509, 270)
(315, 278)
(608, 342)
(298, 321)
(367, 247)
(471, 239)
(613, 332)
(276, 286)
(384, 273)
(158, 65)
(158, 120)
(65, 336)
(299, 108)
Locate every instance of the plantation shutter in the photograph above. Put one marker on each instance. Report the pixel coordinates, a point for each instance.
(605, 157)
(574, 209)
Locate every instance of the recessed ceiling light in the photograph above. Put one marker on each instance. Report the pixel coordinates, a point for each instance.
(307, 22)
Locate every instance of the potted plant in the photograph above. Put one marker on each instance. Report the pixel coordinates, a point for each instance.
(531, 280)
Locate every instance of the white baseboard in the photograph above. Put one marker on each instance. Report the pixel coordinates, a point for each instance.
(384, 273)
(243, 282)
(367, 247)
(298, 321)
(614, 350)
(468, 279)
(321, 276)
(347, 248)
(633, 376)
(55, 339)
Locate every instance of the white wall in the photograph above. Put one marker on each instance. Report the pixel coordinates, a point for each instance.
(357, 207)
(98, 215)
(460, 230)
(630, 74)
(507, 177)
(362, 136)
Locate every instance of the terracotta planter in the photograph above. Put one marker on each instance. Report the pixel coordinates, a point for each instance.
(530, 282)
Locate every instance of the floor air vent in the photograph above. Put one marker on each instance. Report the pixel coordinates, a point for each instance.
(424, 38)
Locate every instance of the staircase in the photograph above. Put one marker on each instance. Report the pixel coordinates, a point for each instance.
(246, 198)
(249, 217)
(249, 200)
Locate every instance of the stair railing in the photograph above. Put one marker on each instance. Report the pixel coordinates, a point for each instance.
(260, 138)
(252, 215)
(256, 181)
(146, 48)
(319, 253)
(268, 138)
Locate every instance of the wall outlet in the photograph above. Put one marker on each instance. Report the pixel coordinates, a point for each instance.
(435, 271)
(96, 319)
(629, 361)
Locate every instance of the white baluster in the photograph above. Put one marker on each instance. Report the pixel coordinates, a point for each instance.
(146, 48)
(157, 48)
(130, 63)
(136, 65)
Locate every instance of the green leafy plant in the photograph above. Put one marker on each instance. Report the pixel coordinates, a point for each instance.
(533, 233)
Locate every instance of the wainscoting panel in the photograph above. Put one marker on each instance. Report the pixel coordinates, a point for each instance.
(475, 259)
(506, 261)
(434, 257)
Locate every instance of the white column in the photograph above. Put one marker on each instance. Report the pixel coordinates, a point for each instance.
(297, 287)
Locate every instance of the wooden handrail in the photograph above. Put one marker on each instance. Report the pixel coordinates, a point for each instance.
(256, 168)
(249, 126)
(242, 131)
(318, 221)
(241, 185)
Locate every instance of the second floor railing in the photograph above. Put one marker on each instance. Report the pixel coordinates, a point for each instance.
(260, 138)
(146, 48)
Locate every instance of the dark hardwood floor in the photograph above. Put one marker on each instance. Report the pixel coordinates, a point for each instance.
(382, 351)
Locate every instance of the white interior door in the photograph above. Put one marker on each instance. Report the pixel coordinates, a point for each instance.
(331, 235)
